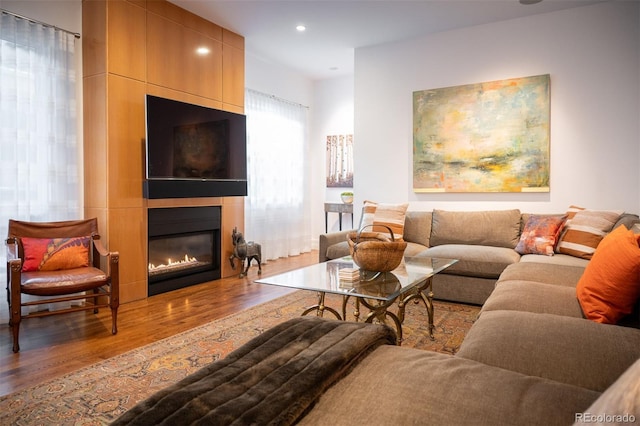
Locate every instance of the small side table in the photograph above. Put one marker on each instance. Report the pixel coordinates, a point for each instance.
(339, 208)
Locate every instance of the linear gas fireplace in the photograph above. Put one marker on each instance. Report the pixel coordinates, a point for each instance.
(184, 247)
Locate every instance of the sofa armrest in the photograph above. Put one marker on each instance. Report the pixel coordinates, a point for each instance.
(327, 240)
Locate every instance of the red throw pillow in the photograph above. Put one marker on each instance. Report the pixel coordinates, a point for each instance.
(51, 254)
(610, 285)
(540, 235)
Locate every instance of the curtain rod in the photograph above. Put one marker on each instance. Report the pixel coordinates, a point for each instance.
(35, 21)
(278, 98)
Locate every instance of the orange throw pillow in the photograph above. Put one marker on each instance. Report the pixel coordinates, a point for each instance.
(52, 254)
(610, 285)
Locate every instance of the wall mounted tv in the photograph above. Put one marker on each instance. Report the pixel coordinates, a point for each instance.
(194, 151)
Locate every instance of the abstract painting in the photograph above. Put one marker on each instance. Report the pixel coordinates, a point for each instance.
(485, 137)
(340, 161)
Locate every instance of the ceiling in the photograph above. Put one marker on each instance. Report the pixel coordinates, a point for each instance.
(335, 28)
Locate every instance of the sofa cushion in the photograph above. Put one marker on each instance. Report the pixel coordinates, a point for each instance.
(540, 235)
(569, 350)
(489, 228)
(584, 230)
(610, 286)
(619, 404)
(557, 259)
(474, 261)
(414, 249)
(405, 386)
(562, 275)
(378, 216)
(627, 220)
(417, 227)
(454, 288)
(338, 250)
(534, 297)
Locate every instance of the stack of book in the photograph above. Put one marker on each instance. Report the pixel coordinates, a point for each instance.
(349, 274)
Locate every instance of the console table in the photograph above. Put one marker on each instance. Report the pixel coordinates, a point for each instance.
(339, 208)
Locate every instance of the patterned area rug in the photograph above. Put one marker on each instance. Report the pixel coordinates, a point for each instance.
(98, 394)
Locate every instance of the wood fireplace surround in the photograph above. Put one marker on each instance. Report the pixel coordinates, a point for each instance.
(131, 48)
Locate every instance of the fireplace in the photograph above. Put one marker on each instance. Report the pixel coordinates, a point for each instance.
(184, 247)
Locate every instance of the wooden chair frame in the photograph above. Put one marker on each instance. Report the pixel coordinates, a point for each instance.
(97, 285)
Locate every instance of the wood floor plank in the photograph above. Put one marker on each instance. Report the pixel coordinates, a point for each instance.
(57, 345)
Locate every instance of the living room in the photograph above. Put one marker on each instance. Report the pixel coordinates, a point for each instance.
(591, 54)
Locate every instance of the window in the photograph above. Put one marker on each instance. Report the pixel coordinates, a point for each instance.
(38, 143)
(277, 209)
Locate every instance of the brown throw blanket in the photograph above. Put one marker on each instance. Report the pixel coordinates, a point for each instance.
(272, 379)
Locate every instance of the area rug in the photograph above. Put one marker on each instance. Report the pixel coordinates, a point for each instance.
(98, 394)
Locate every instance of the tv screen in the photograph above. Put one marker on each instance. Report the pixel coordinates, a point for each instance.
(187, 142)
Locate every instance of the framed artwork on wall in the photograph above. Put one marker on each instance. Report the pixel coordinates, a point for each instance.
(340, 161)
(484, 137)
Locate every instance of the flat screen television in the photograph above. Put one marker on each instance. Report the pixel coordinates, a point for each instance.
(194, 151)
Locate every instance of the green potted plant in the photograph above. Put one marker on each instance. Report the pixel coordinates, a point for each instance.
(347, 197)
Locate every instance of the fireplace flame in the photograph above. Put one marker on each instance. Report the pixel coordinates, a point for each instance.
(172, 265)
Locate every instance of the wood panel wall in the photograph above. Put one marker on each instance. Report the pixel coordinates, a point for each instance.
(131, 48)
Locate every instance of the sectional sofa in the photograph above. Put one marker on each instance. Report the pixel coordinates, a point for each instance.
(535, 355)
(551, 345)
(484, 242)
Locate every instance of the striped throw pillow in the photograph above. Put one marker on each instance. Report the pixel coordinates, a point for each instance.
(584, 230)
(391, 215)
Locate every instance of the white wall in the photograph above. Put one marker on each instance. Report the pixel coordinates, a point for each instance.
(65, 14)
(332, 115)
(274, 79)
(592, 56)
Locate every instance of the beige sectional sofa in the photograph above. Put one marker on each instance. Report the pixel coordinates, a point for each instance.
(531, 357)
(484, 243)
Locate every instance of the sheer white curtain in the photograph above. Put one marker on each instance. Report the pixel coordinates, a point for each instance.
(277, 210)
(38, 142)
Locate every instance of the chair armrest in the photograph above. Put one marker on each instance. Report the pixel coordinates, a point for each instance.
(327, 240)
(100, 249)
(12, 248)
(109, 262)
(14, 265)
(105, 259)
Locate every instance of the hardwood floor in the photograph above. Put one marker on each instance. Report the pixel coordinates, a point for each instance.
(57, 345)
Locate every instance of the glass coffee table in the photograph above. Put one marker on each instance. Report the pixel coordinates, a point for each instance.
(376, 291)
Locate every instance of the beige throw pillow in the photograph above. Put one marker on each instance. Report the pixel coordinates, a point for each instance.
(374, 215)
(584, 230)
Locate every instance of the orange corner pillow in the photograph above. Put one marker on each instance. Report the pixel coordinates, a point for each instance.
(51, 254)
(391, 215)
(540, 235)
(610, 285)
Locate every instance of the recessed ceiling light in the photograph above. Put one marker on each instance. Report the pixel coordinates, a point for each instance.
(525, 2)
(202, 50)
(301, 28)
(333, 69)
